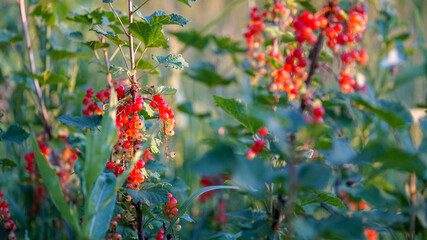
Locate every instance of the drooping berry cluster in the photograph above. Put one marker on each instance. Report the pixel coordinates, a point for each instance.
(258, 145)
(165, 114)
(343, 36)
(170, 209)
(92, 107)
(220, 217)
(287, 74)
(112, 234)
(5, 220)
(31, 156)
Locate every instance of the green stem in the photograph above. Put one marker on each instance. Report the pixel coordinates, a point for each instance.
(137, 9)
(118, 17)
(124, 57)
(145, 73)
(140, 57)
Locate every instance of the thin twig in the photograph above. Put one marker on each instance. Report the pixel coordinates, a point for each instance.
(140, 57)
(140, 227)
(107, 65)
(145, 73)
(124, 57)
(43, 113)
(114, 54)
(137, 9)
(137, 47)
(118, 17)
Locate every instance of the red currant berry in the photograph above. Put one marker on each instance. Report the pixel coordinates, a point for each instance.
(111, 165)
(318, 112)
(263, 131)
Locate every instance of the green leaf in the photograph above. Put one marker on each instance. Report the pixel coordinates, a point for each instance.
(178, 19)
(187, 107)
(110, 35)
(408, 75)
(193, 38)
(14, 134)
(101, 206)
(393, 113)
(97, 154)
(53, 187)
(107, 1)
(390, 157)
(238, 110)
(9, 37)
(151, 35)
(7, 163)
(155, 166)
(81, 122)
(50, 78)
(163, 18)
(341, 152)
(96, 44)
(146, 66)
(187, 2)
(149, 193)
(314, 175)
(306, 4)
(206, 74)
(61, 55)
(199, 192)
(330, 199)
(173, 60)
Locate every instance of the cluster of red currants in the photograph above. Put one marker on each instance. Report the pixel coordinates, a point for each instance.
(255, 27)
(318, 113)
(170, 210)
(31, 156)
(220, 217)
(165, 114)
(7, 223)
(92, 107)
(258, 145)
(343, 35)
(112, 234)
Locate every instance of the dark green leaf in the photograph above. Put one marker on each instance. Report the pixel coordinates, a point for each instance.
(53, 187)
(15, 134)
(391, 157)
(314, 175)
(187, 107)
(330, 199)
(199, 192)
(107, 1)
(6, 163)
(393, 113)
(173, 60)
(61, 55)
(149, 193)
(206, 74)
(238, 110)
(97, 44)
(101, 206)
(163, 18)
(155, 166)
(146, 66)
(50, 78)
(341, 152)
(110, 35)
(151, 35)
(9, 37)
(81, 122)
(193, 38)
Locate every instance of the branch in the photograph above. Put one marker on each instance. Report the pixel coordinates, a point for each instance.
(140, 227)
(137, 9)
(118, 17)
(107, 65)
(43, 113)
